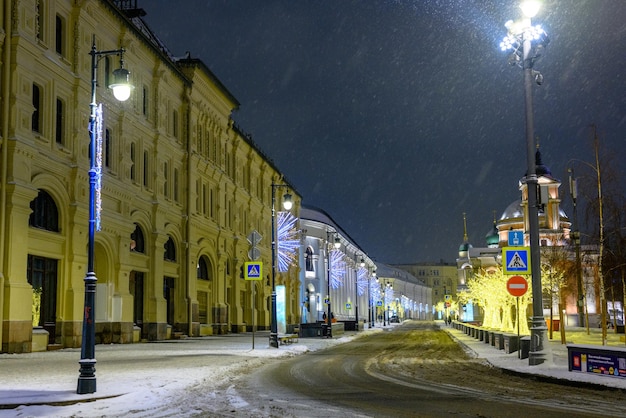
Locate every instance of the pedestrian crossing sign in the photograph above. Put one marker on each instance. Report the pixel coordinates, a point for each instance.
(516, 260)
(253, 270)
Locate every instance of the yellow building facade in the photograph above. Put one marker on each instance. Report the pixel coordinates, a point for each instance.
(182, 187)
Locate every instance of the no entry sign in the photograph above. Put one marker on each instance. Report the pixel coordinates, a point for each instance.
(517, 286)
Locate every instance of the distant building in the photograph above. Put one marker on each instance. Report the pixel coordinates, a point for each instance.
(402, 295)
(441, 277)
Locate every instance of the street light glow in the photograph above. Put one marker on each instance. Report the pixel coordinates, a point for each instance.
(530, 8)
(121, 86)
(287, 203)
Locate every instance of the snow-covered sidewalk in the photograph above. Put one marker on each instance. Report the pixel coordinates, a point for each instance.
(557, 368)
(148, 379)
(167, 378)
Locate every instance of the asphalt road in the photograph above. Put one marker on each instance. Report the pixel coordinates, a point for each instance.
(414, 370)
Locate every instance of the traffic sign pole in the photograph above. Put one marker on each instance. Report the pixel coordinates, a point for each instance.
(519, 342)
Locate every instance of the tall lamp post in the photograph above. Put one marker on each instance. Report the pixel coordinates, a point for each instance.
(573, 192)
(287, 204)
(527, 43)
(356, 291)
(329, 315)
(121, 90)
(373, 305)
(597, 169)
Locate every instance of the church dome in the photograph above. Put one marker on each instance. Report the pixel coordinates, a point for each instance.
(541, 169)
(492, 237)
(513, 211)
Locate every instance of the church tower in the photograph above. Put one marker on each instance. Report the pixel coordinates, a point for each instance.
(554, 225)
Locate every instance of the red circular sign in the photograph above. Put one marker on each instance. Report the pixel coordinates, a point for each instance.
(517, 286)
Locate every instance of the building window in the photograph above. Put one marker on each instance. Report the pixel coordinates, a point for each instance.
(203, 269)
(175, 124)
(204, 199)
(145, 168)
(60, 122)
(166, 178)
(309, 259)
(107, 148)
(170, 250)
(60, 35)
(36, 118)
(199, 139)
(137, 243)
(40, 19)
(176, 197)
(45, 214)
(41, 274)
(168, 295)
(144, 103)
(133, 166)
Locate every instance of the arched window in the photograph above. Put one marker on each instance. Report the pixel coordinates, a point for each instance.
(137, 243)
(203, 272)
(45, 214)
(170, 250)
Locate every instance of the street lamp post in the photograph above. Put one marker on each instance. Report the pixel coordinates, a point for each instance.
(369, 300)
(356, 291)
(329, 315)
(287, 204)
(573, 191)
(373, 305)
(526, 42)
(121, 91)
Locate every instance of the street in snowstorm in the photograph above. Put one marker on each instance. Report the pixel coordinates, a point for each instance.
(413, 369)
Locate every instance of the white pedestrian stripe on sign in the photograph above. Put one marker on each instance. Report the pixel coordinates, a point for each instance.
(516, 262)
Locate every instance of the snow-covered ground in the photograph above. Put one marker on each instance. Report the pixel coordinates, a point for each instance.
(175, 378)
(161, 380)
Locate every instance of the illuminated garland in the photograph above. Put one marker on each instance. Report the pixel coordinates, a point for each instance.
(98, 165)
(287, 240)
(337, 268)
(362, 279)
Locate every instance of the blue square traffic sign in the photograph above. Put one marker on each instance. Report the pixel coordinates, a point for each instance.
(253, 270)
(516, 260)
(516, 238)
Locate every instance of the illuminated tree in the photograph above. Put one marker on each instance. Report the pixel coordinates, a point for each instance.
(554, 266)
(488, 290)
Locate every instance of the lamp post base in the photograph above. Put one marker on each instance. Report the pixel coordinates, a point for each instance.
(274, 340)
(540, 351)
(87, 378)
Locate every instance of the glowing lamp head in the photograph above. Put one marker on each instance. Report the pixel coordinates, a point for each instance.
(530, 8)
(121, 86)
(287, 203)
(337, 243)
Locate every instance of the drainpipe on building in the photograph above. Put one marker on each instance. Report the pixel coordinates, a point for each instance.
(6, 89)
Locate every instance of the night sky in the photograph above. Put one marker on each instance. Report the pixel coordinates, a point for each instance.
(396, 117)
